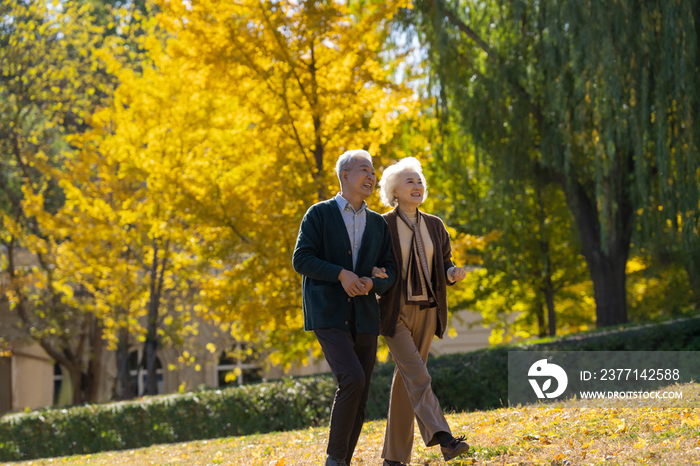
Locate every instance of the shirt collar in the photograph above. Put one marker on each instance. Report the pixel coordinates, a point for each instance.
(345, 204)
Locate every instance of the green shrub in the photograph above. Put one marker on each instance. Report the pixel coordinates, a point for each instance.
(283, 405)
(462, 382)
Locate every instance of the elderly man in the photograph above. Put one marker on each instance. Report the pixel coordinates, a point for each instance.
(339, 243)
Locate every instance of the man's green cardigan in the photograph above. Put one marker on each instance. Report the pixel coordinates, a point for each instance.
(323, 250)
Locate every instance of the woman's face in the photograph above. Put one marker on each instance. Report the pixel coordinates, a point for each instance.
(410, 190)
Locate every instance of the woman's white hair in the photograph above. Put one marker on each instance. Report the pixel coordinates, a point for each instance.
(347, 160)
(391, 179)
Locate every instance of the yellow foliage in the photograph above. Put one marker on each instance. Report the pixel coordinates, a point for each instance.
(255, 102)
(634, 264)
(204, 160)
(53, 71)
(233, 375)
(382, 351)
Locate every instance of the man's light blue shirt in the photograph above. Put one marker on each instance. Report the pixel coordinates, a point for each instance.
(355, 223)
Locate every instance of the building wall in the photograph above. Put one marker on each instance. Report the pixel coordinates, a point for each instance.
(318, 366)
(471, 335)
(32, 377)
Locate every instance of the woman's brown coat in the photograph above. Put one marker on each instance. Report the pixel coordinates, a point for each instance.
(390, 302)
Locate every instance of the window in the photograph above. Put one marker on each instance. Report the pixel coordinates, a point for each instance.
(57, 382)
(5, 384)
(241, 362)
(138, 374)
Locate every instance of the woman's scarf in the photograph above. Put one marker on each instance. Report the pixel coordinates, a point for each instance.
(418, 286)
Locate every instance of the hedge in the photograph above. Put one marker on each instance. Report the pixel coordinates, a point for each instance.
(462, 382)
(283, 405)
(479, 380)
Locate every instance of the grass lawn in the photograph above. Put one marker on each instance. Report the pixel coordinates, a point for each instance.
(559, 434)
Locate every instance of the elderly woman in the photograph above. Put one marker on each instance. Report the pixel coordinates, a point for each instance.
(413, 311)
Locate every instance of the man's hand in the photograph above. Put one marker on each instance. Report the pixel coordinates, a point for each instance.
(352, 283)
(379, 273)
(368, 283)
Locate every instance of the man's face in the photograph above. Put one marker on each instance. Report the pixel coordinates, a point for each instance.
(360, 178)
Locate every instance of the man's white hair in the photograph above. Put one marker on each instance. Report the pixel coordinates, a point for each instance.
(391, 179)
(347, 160)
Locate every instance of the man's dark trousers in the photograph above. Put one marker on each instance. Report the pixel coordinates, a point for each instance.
(353, 375)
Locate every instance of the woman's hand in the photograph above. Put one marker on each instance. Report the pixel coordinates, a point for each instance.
(456, 274)
(379, 273)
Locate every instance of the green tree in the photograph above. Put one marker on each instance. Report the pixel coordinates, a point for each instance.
(519, 235)
(597, 97)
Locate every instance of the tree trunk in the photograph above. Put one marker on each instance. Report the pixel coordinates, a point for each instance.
(546, 286)
(151, 345)
(549, 299)
(540, 319)
(150, 350)
(124, 389)
(93, 377)
(691, 260)
(318, 142)
(318, 156)
(609, 287)
(76, 377)
(607, 268)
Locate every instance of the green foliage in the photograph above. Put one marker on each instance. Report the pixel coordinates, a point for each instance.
(657, 291)
(597, 97)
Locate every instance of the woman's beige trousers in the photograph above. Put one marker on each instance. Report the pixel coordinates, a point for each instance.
(411, 393)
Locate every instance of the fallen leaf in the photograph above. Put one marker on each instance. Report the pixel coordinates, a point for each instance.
(621, 426)
(641, 443)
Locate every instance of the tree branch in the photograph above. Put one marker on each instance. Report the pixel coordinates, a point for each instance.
(462, 26)
(284, 50)
(161, 276)
(498, 61)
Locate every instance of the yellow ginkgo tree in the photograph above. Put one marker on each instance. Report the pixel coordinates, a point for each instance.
(236, 121)
(112, 249)
(297, 84)
(51, 79)
(125, 232)
(186, 191)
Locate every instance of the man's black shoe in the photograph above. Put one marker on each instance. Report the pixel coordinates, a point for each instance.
(331, 461)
